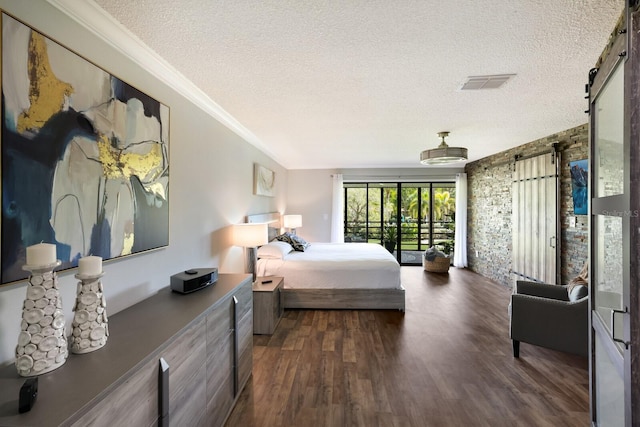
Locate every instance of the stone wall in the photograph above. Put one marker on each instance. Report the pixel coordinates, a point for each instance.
(489, 180)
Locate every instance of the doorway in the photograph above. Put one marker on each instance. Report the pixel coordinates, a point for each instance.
(406, 218)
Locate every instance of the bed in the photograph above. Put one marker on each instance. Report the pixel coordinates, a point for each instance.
(332, 275)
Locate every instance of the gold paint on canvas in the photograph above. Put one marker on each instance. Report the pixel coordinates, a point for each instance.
(46, 93)
(119, 164)
(156, 188)
(127, 244)
(143, 165)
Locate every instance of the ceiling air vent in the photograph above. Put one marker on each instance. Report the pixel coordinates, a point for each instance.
(485, 82)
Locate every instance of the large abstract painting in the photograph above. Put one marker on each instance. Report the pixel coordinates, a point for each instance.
(85, 156)
(579, 186)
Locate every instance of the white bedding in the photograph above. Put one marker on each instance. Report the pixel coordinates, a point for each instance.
(335, 265)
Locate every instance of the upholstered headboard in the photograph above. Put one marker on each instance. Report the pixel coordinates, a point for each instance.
(272, 219)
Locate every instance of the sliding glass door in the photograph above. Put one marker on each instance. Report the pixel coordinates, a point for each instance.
(406, 218)
(443, 216)
(370, 213)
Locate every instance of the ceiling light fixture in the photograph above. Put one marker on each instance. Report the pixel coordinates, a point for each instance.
(443, 154)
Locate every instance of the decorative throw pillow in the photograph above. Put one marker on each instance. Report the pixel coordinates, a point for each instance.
(580, 279)
(300, 243)
(274, 250)
(433, 253)
(297, 242)
(578, 292)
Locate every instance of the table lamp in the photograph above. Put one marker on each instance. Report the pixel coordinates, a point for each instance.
(249, 236)
(292, 222)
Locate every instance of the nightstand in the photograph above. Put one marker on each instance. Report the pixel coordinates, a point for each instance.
(267, 304)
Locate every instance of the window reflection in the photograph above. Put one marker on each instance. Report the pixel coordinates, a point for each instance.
(609, 272)
(608, 153)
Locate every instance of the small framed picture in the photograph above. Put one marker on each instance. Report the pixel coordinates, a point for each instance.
(263, 181)
(579, 186)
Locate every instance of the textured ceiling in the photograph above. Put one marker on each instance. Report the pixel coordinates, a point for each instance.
(349, 84)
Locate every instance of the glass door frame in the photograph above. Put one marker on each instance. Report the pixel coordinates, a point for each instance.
(605, 339)
(421, 223)
(428, 222)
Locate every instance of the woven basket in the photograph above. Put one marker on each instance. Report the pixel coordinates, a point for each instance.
(438, 265)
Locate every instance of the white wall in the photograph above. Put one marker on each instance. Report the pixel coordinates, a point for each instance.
(309, 193)
(211, 172)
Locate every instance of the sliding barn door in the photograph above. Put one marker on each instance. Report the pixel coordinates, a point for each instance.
(535, 218)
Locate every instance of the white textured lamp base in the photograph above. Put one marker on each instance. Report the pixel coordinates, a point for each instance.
(90, 323)
(42, 343)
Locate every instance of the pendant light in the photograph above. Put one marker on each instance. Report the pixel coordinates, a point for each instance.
(443, 154)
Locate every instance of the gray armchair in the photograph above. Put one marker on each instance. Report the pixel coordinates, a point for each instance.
(549, 316)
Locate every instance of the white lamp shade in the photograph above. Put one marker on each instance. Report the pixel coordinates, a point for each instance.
(250, 235)
(292, 221)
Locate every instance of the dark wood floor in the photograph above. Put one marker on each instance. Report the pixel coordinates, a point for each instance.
(446, 361)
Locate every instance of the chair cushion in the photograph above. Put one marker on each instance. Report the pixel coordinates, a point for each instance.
(578, 292)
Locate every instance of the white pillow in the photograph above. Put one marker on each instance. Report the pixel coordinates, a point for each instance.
(274, 250)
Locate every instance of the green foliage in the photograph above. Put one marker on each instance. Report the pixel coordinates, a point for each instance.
(356, 205)
(409, 231)
(444, 205)
(390, 233)
(447, 247)
(390, 197)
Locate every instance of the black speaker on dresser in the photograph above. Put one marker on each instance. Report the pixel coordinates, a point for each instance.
(193, 280)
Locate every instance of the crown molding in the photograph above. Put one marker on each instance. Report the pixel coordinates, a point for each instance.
(97, 21)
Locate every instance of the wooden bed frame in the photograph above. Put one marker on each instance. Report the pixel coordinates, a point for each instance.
(367, 299)
(363, 299)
